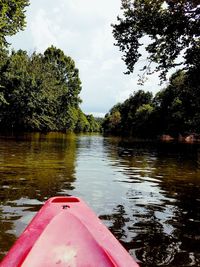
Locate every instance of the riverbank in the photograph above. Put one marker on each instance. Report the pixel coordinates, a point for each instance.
(191, 138)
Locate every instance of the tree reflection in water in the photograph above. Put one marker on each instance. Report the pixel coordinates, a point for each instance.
(33, 167)
(160, 224)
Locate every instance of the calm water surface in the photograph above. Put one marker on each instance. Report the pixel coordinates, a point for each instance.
(147, 194)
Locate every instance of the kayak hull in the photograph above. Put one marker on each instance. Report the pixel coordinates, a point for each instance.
(66, 232)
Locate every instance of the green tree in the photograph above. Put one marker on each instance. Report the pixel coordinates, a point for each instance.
(178, 106)
(67, 78)
(115, 118)
(172, 28)
(112, 120)
(3, 59)
(66, 73)
(82, 124)
(12, 18)
(39, 92)
(129, 109)
(14, 84)
(123, 118)
(30, 90)
(174, 110)
(143, 121)
(95, 124)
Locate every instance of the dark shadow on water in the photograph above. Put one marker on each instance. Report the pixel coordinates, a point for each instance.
(33, 168)
(160, 222)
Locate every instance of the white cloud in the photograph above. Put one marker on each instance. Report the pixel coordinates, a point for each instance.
(42, 30)
(93, 9)
(97, 114)
(110, 64)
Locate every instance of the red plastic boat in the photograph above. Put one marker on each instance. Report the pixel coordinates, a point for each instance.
(65, 232)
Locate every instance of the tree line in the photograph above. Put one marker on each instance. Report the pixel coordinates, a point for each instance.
(174, 111)
(38, 92)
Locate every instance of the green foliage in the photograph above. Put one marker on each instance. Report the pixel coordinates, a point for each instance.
(174, 110)
(12, 18)
(112, 122)
(172, 28)
(95, 123)
(82, 124)
(66, 73)
(40, 92)
(179, 102)
(127, 118)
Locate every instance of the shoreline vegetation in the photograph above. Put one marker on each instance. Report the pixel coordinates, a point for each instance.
(40, 91)
(172, 114)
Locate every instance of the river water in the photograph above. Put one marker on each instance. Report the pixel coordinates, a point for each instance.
(147, 194)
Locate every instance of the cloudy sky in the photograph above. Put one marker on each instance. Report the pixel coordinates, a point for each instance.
(82, 29)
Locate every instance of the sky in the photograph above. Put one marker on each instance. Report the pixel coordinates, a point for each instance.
(82, 29)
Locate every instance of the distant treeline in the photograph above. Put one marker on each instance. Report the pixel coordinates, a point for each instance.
(40, 92)
(174, 110)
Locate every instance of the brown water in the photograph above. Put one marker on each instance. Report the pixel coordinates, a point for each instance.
(148, 194)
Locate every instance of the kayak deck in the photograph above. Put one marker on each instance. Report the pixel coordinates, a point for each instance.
(65, 232)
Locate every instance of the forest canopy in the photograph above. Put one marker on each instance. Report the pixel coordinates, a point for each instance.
(12, 18)
(41, 92)
(172, 28)
(174, 111)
